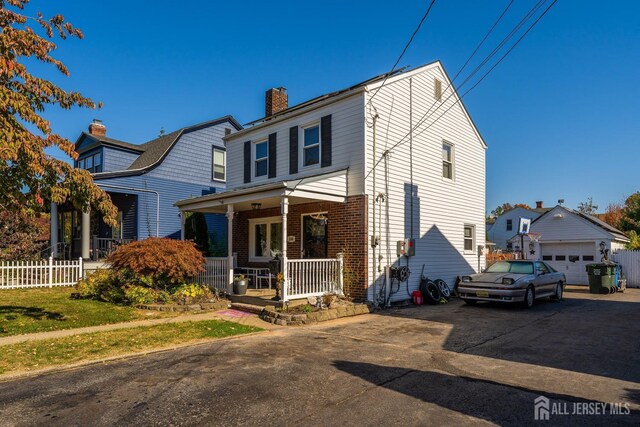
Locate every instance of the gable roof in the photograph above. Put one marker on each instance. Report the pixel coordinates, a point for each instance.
(154, 151)
(386, 78)
(592, 219)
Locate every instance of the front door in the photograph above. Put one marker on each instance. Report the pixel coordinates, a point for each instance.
(314, 236)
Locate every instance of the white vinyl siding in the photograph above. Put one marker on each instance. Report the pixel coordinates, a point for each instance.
(347, 135)
(441, 207)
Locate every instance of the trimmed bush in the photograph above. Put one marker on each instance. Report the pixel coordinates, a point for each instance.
(162, 262)
(101, 285)
(140, 295)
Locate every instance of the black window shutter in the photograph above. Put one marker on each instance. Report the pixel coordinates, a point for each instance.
(247, 162)
(293, 150)
(273, 160)
(325, 135)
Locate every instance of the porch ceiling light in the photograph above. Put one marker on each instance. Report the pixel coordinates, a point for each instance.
(256, 206)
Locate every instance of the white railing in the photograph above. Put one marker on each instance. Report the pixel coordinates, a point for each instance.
(39, 274)
(313, 277)
(101, 247)
(630, 264)
(215, 274)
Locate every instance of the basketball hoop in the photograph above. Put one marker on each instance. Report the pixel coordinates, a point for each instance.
(533, 239)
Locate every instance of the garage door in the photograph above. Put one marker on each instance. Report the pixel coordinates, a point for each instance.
(570, 259)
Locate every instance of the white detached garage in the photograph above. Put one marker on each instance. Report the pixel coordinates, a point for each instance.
(569, 240)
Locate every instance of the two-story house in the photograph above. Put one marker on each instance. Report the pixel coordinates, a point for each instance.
(505, 226)
(144, 182)
(351, 175)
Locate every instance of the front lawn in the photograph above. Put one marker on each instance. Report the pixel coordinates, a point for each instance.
(25, 311)
(38, 354)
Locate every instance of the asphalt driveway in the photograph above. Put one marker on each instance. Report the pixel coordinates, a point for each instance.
(448, 364)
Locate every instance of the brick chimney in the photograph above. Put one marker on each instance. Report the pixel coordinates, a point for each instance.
(539, 204)
(276, 100)
(97, 128)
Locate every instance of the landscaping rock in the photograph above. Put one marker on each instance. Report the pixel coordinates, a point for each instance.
(281, 322)
(312, 300)
(299, 317)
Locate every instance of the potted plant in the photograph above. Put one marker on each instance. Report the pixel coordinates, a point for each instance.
(240, 284)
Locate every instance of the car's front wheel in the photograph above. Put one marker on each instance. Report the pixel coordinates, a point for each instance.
(559, 291)
(529, 297)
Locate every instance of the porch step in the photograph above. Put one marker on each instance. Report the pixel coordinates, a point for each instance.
(253, 300)
(249, 308)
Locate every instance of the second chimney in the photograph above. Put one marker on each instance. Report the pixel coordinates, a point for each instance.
(276, 100)
(97, 128)
(539, 204)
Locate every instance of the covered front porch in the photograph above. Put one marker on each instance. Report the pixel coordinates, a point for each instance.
(302, 222)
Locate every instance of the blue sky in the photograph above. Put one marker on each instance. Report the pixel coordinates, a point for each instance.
(560, 114)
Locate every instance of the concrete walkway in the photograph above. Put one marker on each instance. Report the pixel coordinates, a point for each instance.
(230, 315)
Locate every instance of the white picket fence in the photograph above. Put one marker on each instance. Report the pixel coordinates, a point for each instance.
(40, 274)
(215, 273)
(314, 277)
(630, 263)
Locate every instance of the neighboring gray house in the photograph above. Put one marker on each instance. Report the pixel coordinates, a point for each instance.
(506, 225)
(144, 181)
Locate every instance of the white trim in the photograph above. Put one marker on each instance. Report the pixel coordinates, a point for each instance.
(254, 160)
(473, 239)
(302, 147)
(213, 164)
(302, 215)
(452, 161)
(268, 220)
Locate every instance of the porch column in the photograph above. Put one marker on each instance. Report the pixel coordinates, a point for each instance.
(285, 268)
(53, 232)
(182, 223)
(230, 248)
(85, 236)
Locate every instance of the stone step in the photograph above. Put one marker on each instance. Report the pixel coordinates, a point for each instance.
(253, 300)
(249, 308)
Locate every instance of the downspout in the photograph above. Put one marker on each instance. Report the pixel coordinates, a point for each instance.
(142, 190)
(412, 195)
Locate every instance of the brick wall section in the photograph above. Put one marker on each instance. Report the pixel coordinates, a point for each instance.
(346, 230)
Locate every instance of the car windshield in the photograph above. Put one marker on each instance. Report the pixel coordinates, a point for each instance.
(511, 267)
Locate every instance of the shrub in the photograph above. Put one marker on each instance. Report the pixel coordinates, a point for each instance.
(140, 295)
(101, 285)
(162, 261)
(191, 293)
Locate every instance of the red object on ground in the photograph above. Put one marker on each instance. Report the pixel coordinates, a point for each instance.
(417, 297)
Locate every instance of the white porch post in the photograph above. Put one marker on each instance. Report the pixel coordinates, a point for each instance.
(230, 248)
(285, 267)
(182, 224)
(86, 233)
(53, 225)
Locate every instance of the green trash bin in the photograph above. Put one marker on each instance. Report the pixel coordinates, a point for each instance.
(601, 278)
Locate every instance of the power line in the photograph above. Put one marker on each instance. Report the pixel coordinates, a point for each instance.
(424, 118)
(424, 17)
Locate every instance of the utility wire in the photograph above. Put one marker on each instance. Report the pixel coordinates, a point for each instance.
(424, 117)
(424, 17)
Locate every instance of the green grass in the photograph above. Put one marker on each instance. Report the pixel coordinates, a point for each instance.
(39, 354)
(25, 311)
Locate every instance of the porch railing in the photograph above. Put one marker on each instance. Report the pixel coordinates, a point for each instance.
(215, 273)
(39, 274)
(313, 277)
(103, 246)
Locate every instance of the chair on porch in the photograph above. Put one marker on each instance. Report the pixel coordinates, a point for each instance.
(264, 275)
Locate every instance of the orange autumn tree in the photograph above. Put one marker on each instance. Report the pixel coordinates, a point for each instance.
(28, 175)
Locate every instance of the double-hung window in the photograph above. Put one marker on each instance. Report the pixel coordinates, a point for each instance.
(261, 165)
(311, 154)
(265, 238)
(447, 160)
(219, 165)
(469, 238)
